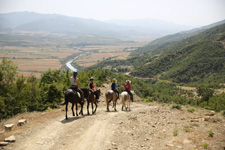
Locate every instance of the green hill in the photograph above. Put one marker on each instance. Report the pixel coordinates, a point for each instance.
(196, 60)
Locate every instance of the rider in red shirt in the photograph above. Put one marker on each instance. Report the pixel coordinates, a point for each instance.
(127, 87)
(93, 88)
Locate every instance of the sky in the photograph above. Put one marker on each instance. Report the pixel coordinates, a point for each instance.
(182, 12)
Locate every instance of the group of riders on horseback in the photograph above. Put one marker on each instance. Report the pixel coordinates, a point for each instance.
(93, 88)
(76, 95)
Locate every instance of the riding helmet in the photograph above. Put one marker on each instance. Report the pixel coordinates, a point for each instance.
(75, 72)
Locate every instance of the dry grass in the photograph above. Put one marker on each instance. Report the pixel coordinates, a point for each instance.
(37, 64)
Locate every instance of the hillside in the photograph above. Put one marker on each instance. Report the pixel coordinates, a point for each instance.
(168, 44)
(199, 59)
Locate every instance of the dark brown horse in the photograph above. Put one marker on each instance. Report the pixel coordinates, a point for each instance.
(91, 98)
(110, 95)
(74, 98)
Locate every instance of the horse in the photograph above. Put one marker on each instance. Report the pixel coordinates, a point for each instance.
(74, 98)
(110, 95)
(91, 98)
(125, 100)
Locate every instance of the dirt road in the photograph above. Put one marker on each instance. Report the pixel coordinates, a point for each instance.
(147, 126)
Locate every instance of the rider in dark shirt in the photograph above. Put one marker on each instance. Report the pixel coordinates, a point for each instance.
(114, 87)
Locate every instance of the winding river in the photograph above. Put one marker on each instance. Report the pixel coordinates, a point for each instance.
(68, 64)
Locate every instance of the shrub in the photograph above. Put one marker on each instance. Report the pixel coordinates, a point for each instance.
(148, 99)
(205, 145)
(176, 107)
(210, 133)
(186, 129)
(191, 110)
(175, 133)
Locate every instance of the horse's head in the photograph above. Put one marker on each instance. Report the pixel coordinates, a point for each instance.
(98, 92)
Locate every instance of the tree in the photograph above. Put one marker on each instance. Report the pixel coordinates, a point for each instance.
(205, 93)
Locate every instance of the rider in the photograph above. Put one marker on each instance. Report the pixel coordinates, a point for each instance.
(127, 87)
(93, 88)
(114, 87)
(75, 85)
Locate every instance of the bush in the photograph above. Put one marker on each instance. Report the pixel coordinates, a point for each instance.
(205, 145)
(176, 107)
(148, 99)
(210, 134)
(175, 133)
(191, 110)
(186, 129)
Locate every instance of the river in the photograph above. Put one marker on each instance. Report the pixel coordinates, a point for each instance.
(68, 64)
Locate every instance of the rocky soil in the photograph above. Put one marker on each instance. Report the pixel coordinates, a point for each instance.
(149, 126)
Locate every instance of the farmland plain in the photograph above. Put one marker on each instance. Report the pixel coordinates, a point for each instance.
(36, 54)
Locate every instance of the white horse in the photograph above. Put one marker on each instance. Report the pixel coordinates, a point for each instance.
(125, 100)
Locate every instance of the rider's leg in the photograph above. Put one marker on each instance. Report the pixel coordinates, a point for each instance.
(81, 94)
(131, 95)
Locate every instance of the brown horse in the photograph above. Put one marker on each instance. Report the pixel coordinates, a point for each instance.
(110, 95)
(74, 98)
(91, 98)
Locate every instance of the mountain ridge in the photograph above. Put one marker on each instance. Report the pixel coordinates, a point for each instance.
(32, 21)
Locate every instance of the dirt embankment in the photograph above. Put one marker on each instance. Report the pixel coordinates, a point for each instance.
(147, 126)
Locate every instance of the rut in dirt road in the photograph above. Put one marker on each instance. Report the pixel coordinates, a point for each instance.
(146, 126)
(83, 132)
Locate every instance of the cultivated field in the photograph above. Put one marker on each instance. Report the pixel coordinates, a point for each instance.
(34, 55)
(35, 60)
(99, 53)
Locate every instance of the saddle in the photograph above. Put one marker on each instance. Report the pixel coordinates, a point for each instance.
(74, 88)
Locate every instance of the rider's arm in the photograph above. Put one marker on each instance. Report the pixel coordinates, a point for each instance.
(124, 88)
(96, 87)
(77, 83)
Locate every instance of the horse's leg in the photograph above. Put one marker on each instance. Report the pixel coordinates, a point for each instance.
(66, 109)
(76, 109)
(92, 108)
(107, 104)
(81, 110)
(122, 101)
(115, 105)
(88, 107)
(96, 105)
(72, 109)
(129, 105)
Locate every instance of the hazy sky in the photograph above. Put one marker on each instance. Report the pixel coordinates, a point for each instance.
(186, 12)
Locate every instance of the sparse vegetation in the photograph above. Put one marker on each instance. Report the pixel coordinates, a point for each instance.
(191, 110)
(205, 145)
(175, 133)
(195, 125)
(186, 129)
(210, 134)
(176, 107)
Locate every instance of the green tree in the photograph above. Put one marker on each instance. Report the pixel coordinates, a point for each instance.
(205, 93)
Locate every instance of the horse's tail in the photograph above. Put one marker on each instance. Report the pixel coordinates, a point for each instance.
(66, 99)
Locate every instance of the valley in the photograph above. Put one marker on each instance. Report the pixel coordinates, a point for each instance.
(36, 55)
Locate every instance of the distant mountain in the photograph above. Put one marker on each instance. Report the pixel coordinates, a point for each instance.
(178, 40)
(53, 23)
(184, 34)
(153, 26)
